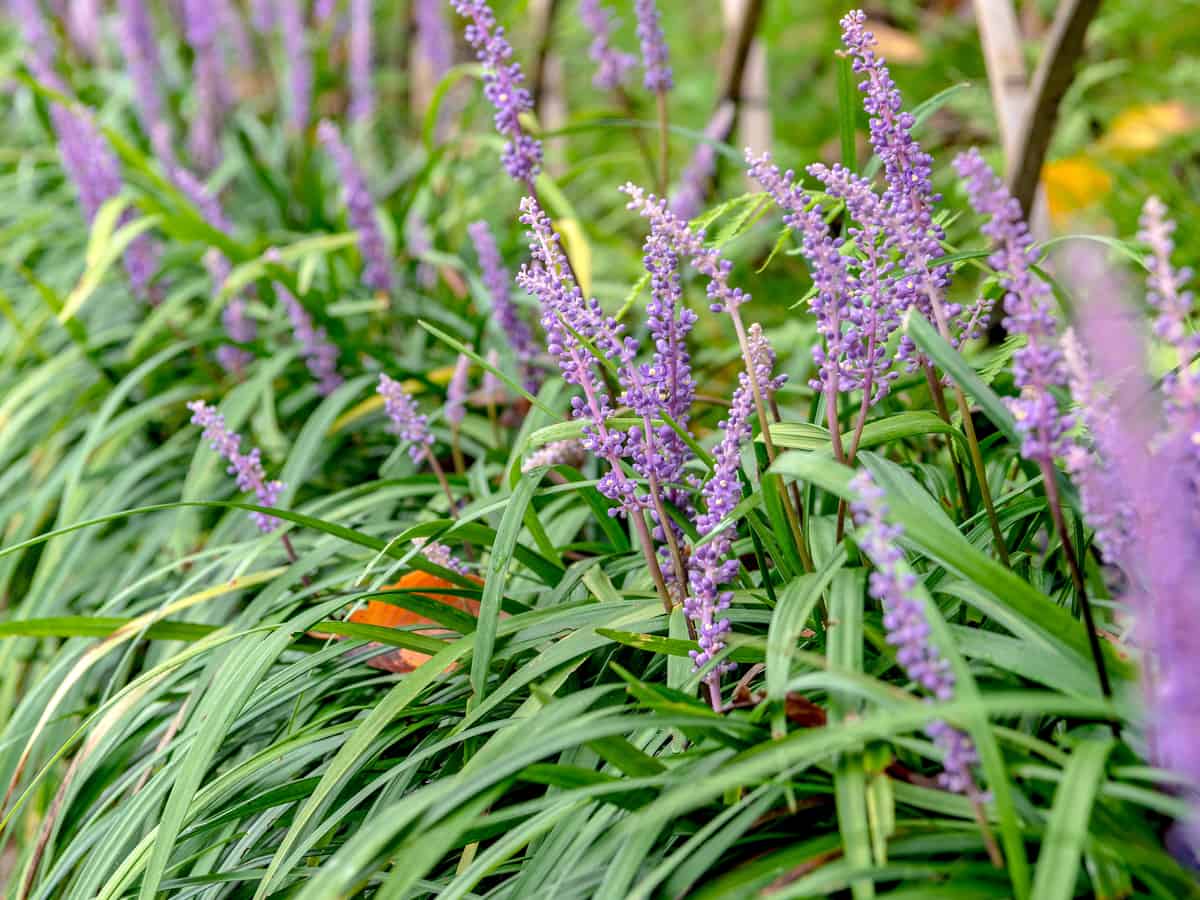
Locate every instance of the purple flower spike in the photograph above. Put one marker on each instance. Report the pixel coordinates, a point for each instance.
(362, 95)
(246, 467)
(140, 47)
(503, 86)
(407, 421)
(320, 354)
(300, 74)
(556, 453)
(84, 27)
(35, 31)
(612, 65)
(1038, 367)
(909, 198)
(262, 14)
(675, 231)
(201, 27)
(498, 283)
(893, 585)
(656, 58)
(456, 391)
(696, 178)
(437, 43)
(360, 209)
(440, 555)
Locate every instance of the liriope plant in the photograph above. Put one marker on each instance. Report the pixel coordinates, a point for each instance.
(686, 622)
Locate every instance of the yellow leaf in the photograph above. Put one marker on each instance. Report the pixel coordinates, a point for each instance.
(896, 46)
(579, 252)
(1073, 184)
(1140, 129)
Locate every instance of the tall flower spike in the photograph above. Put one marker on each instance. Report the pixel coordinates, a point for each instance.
(697, 177)
(656, 59)
(262, 14)
(140, 48)
(440, 555)
(556, 453)
(362, 93)
(246, 467)
(503, 85)
(893, 585)
(706, 260)
(300, 74)
(612, 65)
(235, 317)
(872, 310)
(456, 391)
(85, 27)
(360, 209)
(201, 26)
(320, 354)
(437, 43)
(407, 421)
(909, 198)
(498, 283)
(1038, 367)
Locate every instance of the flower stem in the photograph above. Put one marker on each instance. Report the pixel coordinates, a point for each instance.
(441, 477)
(664, 146)
(939, 401)
(964, 410)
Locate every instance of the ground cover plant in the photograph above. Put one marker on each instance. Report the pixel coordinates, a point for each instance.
(439, 460)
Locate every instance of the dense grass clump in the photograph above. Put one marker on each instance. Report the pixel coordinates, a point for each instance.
(436, 462)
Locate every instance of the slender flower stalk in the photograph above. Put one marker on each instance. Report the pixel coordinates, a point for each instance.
(201, 27)
(456, 406)
(904, 618)
(360, 209)
(503, 85)
(723, 297)
(140, 47)
(320, 354)
(612, 65)
(247, 468)
(300, 74)
(697, 177)
(412, 427)
(361, 70)
(569, 319)
(1039, 368)
(498, 283)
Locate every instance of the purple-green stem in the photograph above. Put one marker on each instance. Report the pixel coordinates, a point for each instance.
(664, 146)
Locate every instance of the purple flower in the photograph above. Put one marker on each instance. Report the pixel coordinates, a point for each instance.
(300, 74)
(320, 354)
(36, 32)
(498, 283)
(685, 242)
(656, 59)
(909, 197)
(695, 180)
(323, 10)
(262, 14)
(84, 26)
(456, 391)
(1038, 367)
(360, 209)
(140, 47)
(556, 453)
(246, 467)
(437, 43)
(893, 585)
(201, 27)
(362, 96)
(503, 86)
(612, 64)
(439, 555)
(407, 421)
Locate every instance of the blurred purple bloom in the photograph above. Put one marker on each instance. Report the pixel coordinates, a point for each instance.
(320, 354)
(362, 95)
(612, 65)
(503, 86)
(893, 585)
(407, 422)
(36, 32)
(498, 283)
(201, 27)
(300, 74)
(685, 242)
(437, 43)
(908, 198)
(656, 59)
(140, 48)
(262, 14)
(1038, 367)
(323, 10)
(456, 391)
(360, 210)
(556, 453)
(696, 178)
(246, 467)
(440, 555)
(84, 26)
